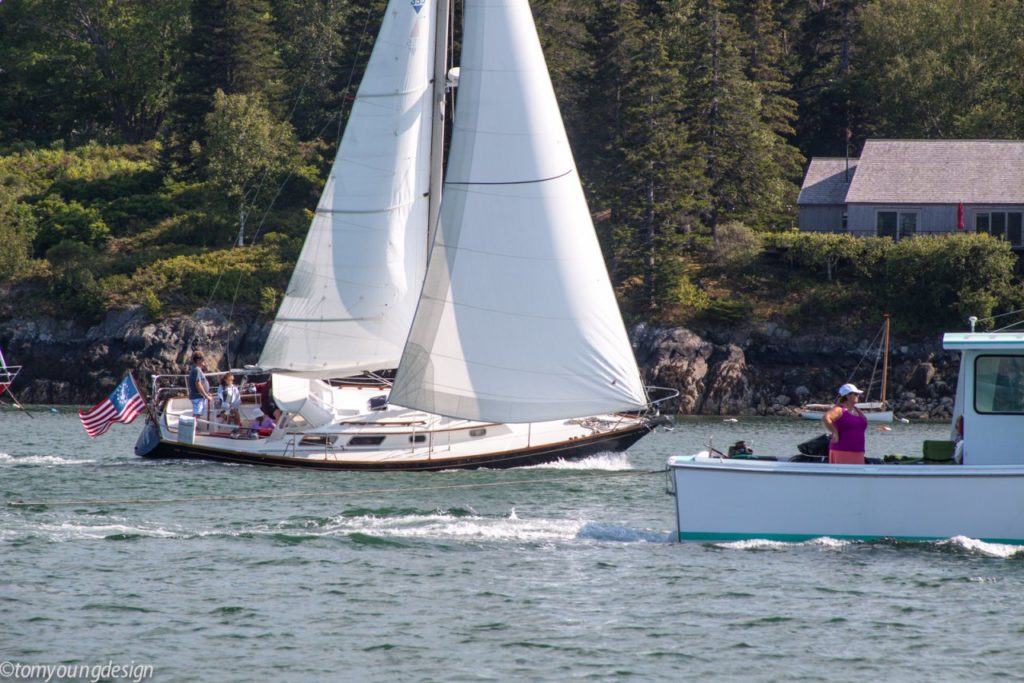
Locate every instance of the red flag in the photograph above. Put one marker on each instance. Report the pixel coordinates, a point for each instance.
(123, 405)
(960, 216)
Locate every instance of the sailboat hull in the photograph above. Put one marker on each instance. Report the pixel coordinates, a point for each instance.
(574, 449)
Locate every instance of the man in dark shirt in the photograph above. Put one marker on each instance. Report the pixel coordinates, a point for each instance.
(198, 385)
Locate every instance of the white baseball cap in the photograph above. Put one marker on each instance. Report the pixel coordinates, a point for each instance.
(849, 389)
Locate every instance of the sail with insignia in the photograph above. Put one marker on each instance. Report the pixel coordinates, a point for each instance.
(517, 320)
(350, 302)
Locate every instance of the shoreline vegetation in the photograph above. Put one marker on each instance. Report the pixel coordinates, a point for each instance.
(156, 185)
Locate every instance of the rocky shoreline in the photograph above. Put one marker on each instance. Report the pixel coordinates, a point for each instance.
(762, 370)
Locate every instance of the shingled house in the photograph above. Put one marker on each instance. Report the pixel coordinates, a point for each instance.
(899, 188)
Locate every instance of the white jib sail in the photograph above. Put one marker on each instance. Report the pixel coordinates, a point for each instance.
(517, 321)
(353, 293)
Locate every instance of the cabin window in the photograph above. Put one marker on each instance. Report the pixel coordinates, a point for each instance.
(318, 440)
(999, 385)
(366, 441)
(418, 438)
(896, 224)
(477, 432)
(1003, 224)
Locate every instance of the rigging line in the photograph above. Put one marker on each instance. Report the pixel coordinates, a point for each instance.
(340, 118)
(326, 494)
(507, 182)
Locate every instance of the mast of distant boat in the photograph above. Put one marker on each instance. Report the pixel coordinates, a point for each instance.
(885, 360)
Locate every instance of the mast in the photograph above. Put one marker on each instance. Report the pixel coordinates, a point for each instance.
(437, 130)
(885, 359)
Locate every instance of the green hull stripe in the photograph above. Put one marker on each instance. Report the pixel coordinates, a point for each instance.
(797, 538)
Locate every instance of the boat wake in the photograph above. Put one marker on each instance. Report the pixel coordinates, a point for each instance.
(393, 525)
(599, 531)
(611, 462)
(957, 543)
(15, 460)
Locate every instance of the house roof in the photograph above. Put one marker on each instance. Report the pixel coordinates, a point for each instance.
(939, 172)
(826, 181)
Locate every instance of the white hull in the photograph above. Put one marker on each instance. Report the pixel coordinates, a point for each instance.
(395, 438)
(723, 500)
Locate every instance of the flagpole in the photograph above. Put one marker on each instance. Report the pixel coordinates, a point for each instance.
(149, 408)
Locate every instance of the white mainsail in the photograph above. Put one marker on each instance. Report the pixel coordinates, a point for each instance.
(353, 293)
(517, 321)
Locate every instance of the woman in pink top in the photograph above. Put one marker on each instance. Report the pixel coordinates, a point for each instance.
(846, 426)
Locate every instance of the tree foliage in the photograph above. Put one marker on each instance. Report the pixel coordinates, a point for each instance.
(136, 136)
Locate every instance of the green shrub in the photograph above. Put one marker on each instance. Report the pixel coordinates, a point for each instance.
(58, 221)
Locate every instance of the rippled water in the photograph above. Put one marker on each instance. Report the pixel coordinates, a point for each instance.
(216, 572)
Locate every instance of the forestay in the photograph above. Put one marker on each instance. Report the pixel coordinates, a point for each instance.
(353, 293)
(517, 321)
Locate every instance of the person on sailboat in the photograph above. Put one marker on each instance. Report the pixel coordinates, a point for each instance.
(846, 426)
(198, 385)
(230, 399)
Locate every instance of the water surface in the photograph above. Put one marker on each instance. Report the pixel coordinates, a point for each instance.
(235, 573)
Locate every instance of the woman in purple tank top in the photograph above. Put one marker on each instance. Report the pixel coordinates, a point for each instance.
(846, 426)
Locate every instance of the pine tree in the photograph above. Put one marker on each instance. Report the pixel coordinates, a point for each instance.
(314, 37)
(722, 110)
(652, 175)
(777, 164)
(231, 47)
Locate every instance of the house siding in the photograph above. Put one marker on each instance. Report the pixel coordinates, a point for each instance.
(931, 218)
(821, 218)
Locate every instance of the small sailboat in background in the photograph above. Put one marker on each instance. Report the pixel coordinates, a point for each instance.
(508, 342)
(874, 411)
(8, 373)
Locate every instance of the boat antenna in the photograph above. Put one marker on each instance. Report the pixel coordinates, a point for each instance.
(973, 320)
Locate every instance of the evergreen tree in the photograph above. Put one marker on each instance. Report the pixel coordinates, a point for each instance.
(775, 162)
(51, 90)
(313, 42)
(831, 121)
(722, 110)
(652, 175)
(231, 47)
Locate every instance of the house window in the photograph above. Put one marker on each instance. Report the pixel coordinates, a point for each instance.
(1002, 224)
(844, 226)
(896, 224)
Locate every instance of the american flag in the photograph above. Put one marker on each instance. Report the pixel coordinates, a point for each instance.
(123, 405)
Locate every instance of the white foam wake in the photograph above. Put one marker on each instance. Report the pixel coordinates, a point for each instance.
(6, 459)
(612, 462)
(444, 525)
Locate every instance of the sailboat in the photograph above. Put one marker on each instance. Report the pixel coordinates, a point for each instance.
(508, 342)
(8, 373)
(874, 411)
